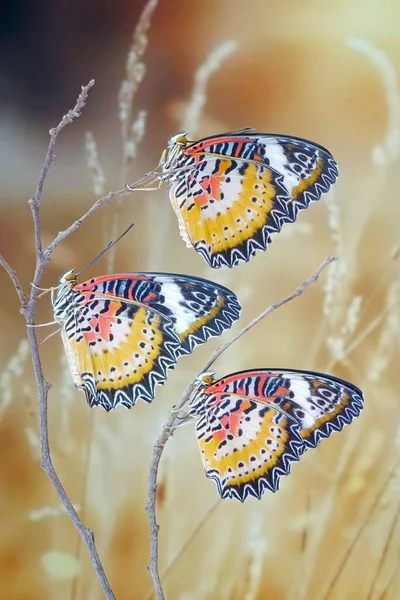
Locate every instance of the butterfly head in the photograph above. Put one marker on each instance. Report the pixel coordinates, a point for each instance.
(179, 139)
(176, 144)
(197, 403)
(203, 381)
(69, 278)
(61, 302)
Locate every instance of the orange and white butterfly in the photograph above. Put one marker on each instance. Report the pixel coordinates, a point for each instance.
(231, 191)
(122, 332)
(253, 424)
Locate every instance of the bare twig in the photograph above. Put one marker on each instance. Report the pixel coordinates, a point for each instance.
(28, 307)
(28, 304)
(72, 114)
(298, 292)
(126, 191)
(86, 534)
(15, 280)
(174, 419)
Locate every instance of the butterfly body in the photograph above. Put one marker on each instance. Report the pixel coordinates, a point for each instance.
(123, 332)
(253, 424)
(232, 191)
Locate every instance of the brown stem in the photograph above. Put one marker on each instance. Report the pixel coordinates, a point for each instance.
(15, 280)
(86, 534)
(126, 191)
(28, 308)
(72, 114)
(174, 419)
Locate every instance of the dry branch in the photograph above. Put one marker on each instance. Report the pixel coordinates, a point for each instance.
(15, 280)
(174, 419)
(28, 308)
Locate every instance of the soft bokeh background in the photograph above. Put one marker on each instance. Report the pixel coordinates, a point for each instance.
(324, 71)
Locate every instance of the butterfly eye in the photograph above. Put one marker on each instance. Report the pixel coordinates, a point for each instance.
(180, 139)
(69, 277)
(206, 379)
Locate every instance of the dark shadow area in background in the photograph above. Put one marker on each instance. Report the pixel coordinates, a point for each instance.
(49, 49)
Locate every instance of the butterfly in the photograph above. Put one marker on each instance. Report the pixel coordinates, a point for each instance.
(231, 191)
(253, 424)
(122, 332)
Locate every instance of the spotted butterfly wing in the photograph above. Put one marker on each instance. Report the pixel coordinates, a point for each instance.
(253, 424)
(246, 446)
(123, 332)
(230, 192)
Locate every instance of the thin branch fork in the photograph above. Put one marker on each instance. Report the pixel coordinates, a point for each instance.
(174, 419)
(15, 280)
(34, 202)
(42, 385)
(110, 197)
(28, 307)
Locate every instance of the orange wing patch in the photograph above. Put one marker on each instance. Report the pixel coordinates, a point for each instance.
(123, 332)
(309, 181)
(121, 356)
(253, 424)
(245, 446)
(231, 192)
(226, 213)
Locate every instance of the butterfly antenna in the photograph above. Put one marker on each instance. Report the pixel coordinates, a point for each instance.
(143, 184)
(106, 249)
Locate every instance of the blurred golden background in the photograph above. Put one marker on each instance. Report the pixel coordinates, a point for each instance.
(326, 72)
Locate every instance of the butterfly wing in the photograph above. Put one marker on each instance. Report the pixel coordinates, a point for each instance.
(246, 446)
(198, 308)
(241, 415)
(231, 192)
(123, 332)
(320, 403)
(118, 351)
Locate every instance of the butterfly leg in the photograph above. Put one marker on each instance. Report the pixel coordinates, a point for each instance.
(43, 324)
(143, 184)
(183, 419)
